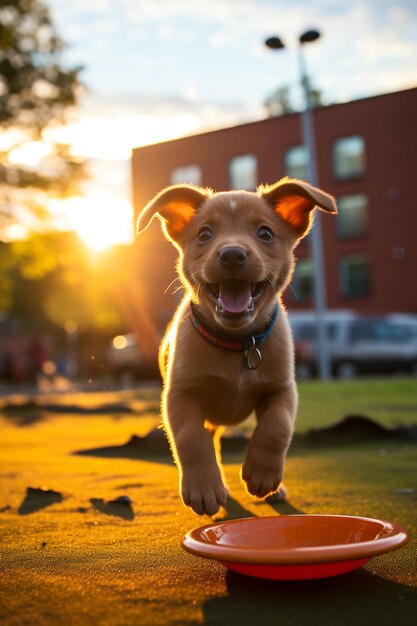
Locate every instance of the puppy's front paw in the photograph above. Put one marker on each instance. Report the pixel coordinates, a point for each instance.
(204, 494)
(261, 478)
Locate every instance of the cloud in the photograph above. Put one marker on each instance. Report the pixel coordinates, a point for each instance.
(159, 40)
(371, 50)
(162, 69)
(107, 127)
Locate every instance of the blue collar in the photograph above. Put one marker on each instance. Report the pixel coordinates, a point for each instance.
(248, 345)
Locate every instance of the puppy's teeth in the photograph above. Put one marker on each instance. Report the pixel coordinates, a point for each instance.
(251, 306)
(219, 307)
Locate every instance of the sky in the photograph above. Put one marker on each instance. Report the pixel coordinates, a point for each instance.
(158, 69)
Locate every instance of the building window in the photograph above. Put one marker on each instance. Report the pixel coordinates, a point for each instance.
(352, 220)
(302, 281)
(349, 157)
(296, 162)
(355, 280)
(243, 172)
(190, 174)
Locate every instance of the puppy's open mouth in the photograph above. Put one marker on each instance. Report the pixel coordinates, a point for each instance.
(234, 297)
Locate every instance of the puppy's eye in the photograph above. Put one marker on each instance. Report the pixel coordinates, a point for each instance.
(204, 234)
(265, 233)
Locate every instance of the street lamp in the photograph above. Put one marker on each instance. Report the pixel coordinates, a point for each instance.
(308, 36)
(319, 281)
(275, 43)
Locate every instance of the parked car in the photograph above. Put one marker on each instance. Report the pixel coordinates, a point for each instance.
(357, 344)
(407, 319)
(126, 361)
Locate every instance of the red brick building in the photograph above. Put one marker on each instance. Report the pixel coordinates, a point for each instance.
(366, 155)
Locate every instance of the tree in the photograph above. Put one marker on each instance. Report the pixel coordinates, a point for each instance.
(315, 94)
(279, 102)
(53, 278)
(36, 92)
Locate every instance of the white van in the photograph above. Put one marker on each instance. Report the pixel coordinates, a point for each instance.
(357, 344)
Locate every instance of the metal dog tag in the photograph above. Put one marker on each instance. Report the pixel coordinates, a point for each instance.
(253, 356)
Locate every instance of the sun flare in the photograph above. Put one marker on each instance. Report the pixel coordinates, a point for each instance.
(100, 220)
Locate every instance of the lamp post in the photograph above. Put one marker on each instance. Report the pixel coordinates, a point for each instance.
(319, 280)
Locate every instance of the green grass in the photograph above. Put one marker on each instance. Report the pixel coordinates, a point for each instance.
(391, 401)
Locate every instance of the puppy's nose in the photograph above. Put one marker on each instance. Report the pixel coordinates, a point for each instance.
(232, 257)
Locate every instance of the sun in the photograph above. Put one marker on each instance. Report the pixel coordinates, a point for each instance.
(99, 219)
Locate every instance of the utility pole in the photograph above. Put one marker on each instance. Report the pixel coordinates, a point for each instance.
(319, 271)
(319, 276)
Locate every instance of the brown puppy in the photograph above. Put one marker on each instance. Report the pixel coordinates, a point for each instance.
(228, 351)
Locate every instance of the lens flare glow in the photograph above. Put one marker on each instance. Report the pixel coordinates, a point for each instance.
(100, 220)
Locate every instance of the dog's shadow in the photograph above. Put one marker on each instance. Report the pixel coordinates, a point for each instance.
(235, 510)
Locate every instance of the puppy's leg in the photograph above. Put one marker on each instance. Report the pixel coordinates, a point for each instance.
(263, 468)
(192, 444)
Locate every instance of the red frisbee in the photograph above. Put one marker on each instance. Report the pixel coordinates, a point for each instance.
(295, 547)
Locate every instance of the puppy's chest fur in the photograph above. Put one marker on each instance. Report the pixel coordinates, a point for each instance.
(231, 399)
(229, 392)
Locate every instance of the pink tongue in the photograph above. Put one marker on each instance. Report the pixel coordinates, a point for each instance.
(234, 296)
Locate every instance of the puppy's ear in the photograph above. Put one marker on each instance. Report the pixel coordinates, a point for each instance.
(176, 206)
(294, 201)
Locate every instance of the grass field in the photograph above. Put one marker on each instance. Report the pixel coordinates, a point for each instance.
(78, 562)
(391, 401)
